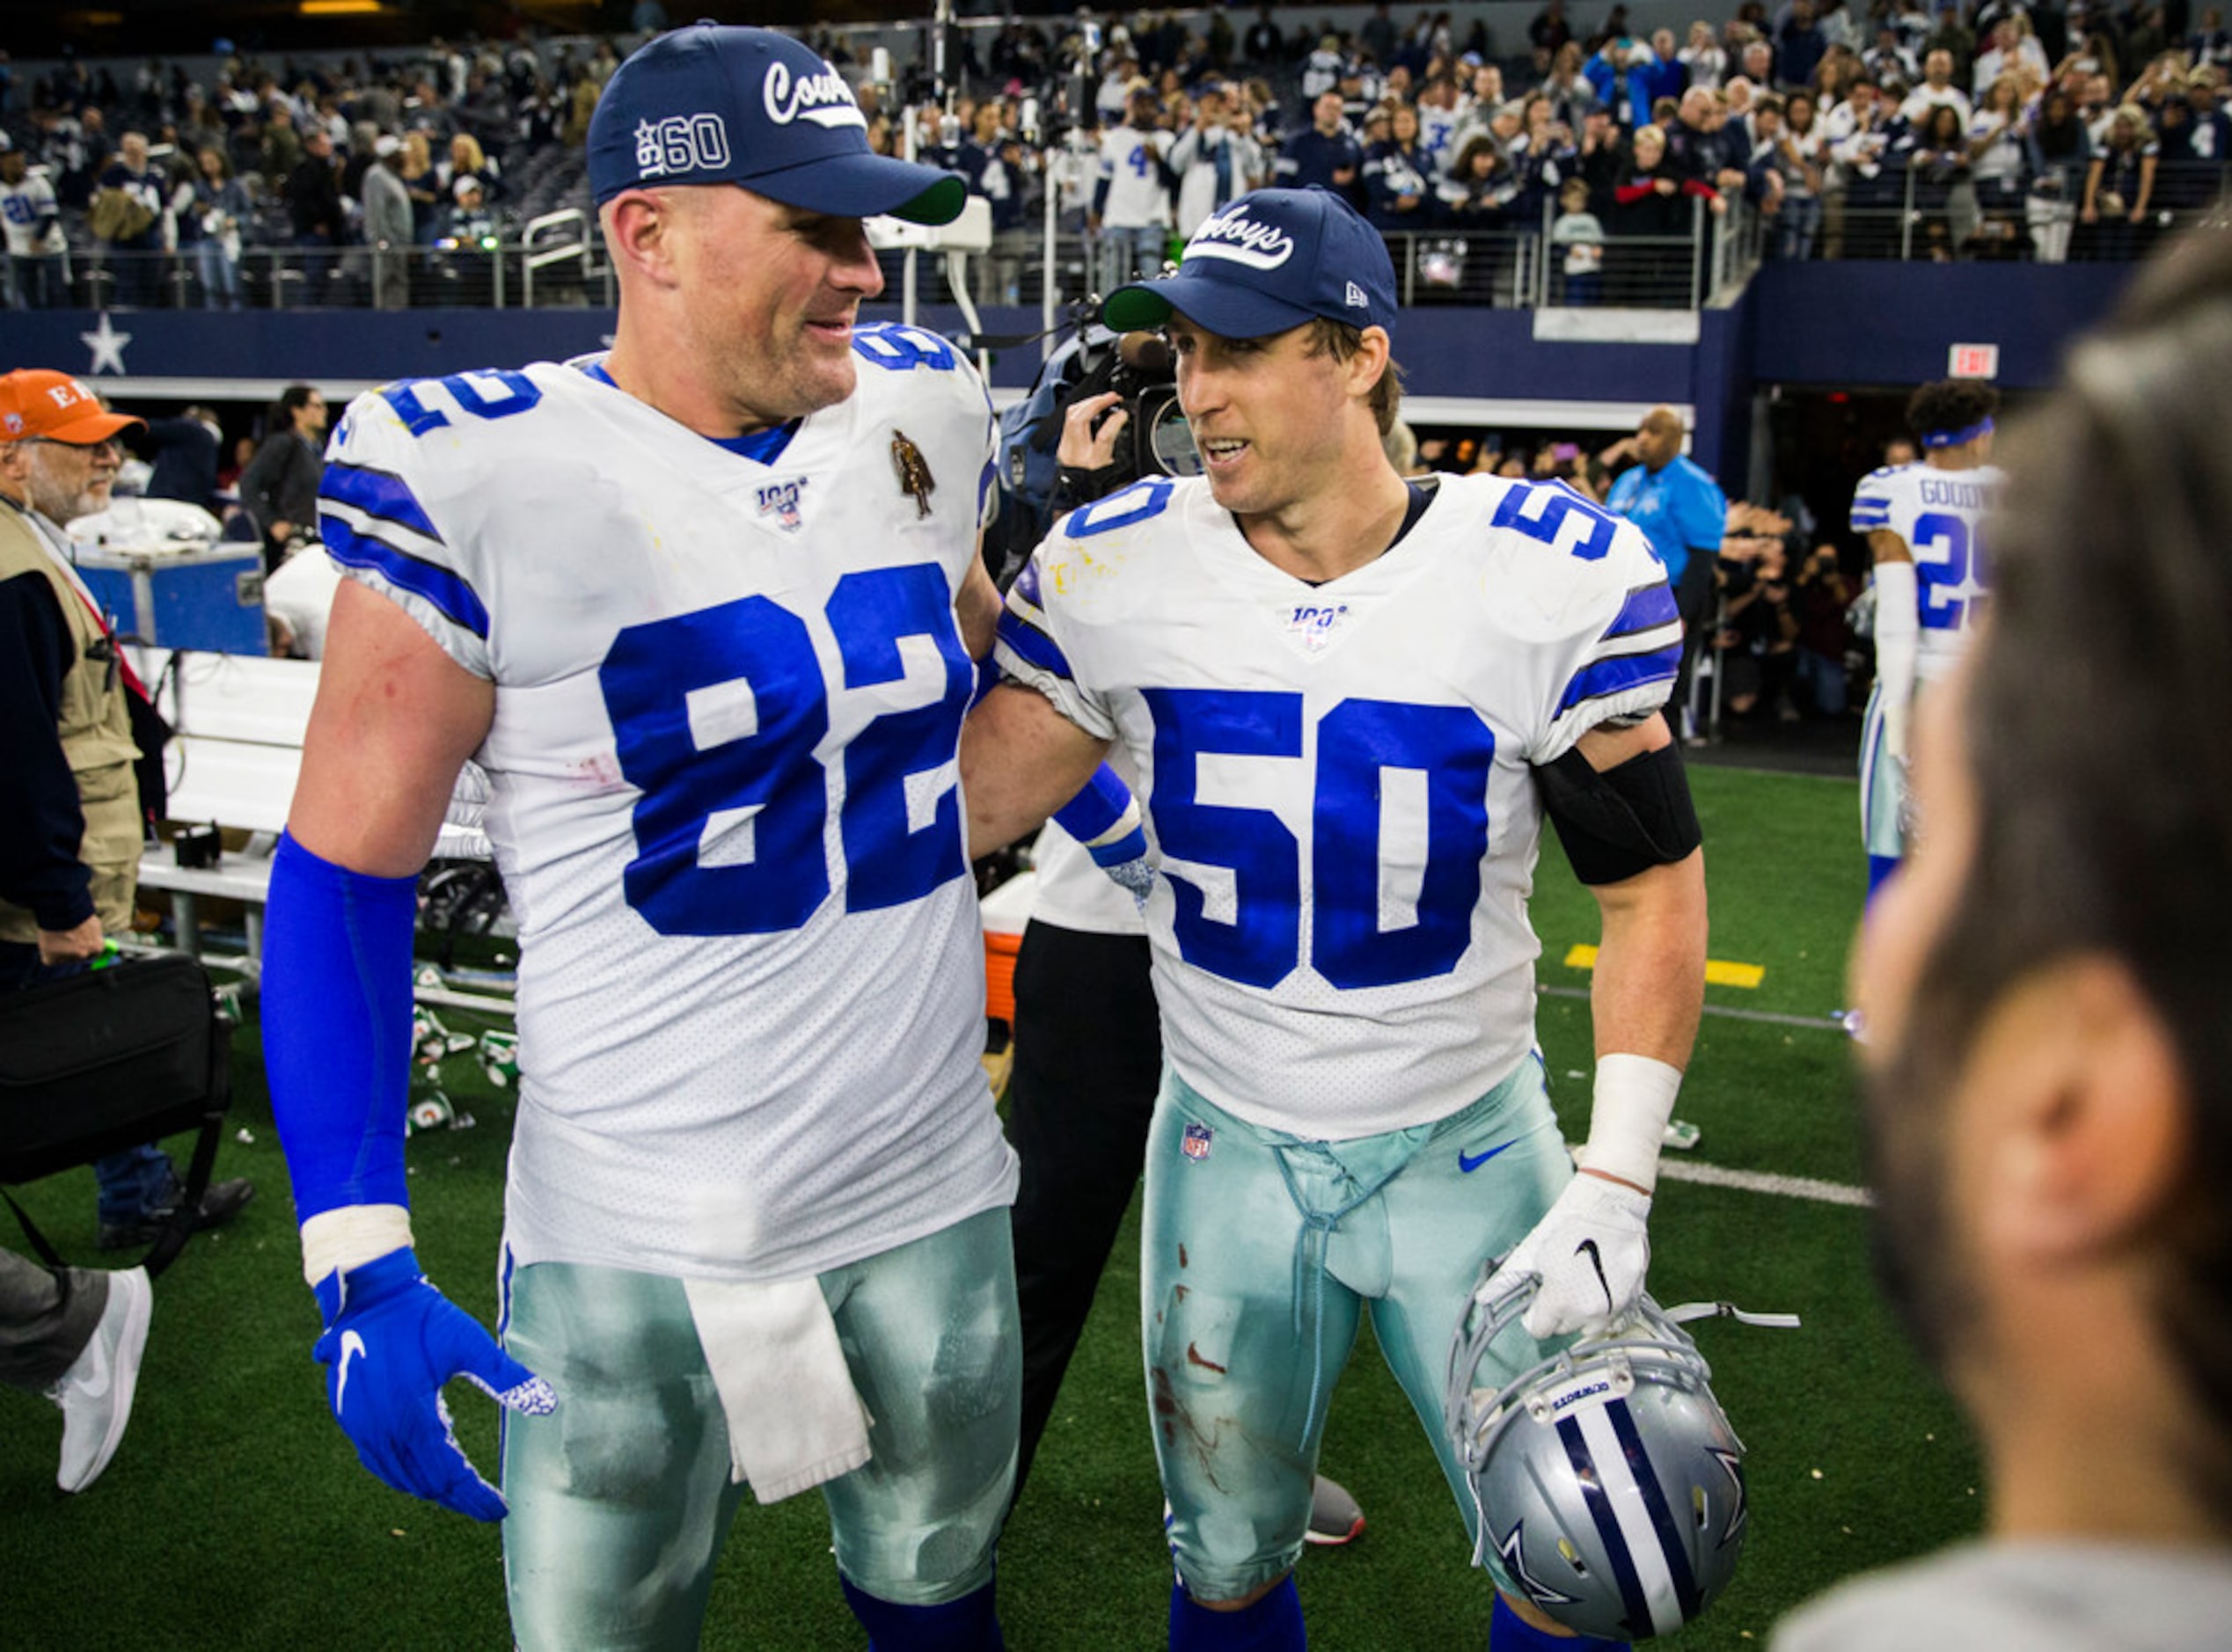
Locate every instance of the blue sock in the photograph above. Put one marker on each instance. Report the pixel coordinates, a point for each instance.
(1273, 1624)
(967, 1625)
(1508, 1631)
(1879, 870)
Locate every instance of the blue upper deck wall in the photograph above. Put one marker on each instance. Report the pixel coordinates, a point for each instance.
(1826, 324)
(1865, 323)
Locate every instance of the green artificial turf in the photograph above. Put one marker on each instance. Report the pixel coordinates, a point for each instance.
(235, 1514)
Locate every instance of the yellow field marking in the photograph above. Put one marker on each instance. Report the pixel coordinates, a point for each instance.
(1719, 971)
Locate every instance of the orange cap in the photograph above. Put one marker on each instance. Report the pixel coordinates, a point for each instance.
(34, 402)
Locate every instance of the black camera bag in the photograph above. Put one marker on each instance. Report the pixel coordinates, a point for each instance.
(109, 1059)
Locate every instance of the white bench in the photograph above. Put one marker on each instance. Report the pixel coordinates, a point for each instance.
(234, 761)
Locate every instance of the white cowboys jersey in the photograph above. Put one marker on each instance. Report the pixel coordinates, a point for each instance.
(724, 795)
(1335, 780)
(1942, 517)
(1131, 162)
(22, 208)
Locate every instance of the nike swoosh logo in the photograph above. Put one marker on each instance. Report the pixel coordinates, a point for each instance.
(352, 1345)
(1466, 1164)
(1588, 1247)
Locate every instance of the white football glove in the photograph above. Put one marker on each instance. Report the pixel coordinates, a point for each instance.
(1592, 1250)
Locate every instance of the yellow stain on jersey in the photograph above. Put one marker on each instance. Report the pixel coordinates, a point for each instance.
(1719, 971)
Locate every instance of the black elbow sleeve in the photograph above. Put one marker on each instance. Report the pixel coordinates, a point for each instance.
(1625, 820)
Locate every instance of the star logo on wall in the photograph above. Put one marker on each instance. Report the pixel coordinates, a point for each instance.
(108, 345)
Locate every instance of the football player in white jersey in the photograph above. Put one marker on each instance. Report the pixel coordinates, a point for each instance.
(1350, 701)
(703, 610)
(1089, 1051)
(1925, 524)
(2049, 1095)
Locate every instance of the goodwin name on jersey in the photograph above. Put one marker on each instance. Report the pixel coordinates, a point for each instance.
(1337, 780)
(724, 795)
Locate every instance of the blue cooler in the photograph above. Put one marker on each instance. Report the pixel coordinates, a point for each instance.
(210, 596)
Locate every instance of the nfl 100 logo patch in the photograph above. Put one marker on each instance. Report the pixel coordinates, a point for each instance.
(1313, 623)
(1198, 1138)
(780, 500)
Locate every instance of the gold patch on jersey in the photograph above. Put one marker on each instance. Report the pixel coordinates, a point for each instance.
(914, 472)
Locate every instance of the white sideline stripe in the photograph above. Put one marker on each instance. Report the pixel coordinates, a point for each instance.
(1675, 1169)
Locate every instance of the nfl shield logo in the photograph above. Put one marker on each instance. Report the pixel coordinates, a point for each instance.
(1197, 1142)
(780, 500)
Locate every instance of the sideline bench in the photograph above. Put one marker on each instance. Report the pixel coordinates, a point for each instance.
(234, 761)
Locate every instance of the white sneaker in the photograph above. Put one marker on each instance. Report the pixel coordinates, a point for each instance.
(95, 1394)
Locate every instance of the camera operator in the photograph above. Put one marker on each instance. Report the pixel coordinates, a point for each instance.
(1824, 632)
(1088, 1039)
(1756, 641)
(1087, 456)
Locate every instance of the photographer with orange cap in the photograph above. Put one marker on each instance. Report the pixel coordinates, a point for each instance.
(70, 839)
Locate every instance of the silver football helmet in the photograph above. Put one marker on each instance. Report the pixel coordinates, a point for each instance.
(1608, 1481)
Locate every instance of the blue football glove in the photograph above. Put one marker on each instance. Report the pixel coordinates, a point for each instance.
(391, 1340)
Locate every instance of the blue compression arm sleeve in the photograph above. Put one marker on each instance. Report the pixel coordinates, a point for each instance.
(1104, 818)
(1097, 808)
(337, 1027)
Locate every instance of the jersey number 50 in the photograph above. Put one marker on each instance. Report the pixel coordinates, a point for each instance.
(717, 716)
(1357, 742)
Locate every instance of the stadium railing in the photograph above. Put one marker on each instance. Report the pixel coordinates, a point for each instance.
(1911, 221)
(556, 261)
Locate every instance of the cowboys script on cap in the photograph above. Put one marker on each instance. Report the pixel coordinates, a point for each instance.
(1236, 237)
(822, 98)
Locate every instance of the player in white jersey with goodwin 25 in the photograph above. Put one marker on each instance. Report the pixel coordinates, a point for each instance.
(1925, 524)
(1350, 701)
(702, 608)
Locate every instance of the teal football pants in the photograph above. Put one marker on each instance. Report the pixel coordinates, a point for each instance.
(1883, 786)
(621, 1499)
(1262, 1251)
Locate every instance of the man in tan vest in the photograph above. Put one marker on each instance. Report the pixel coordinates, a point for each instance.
(70, 828)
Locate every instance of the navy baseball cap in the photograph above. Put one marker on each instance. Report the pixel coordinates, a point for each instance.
(712, 104)
(1271, 260)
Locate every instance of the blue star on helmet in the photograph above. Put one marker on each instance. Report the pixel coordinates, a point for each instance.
(1512, 1551)
(1733, 1464)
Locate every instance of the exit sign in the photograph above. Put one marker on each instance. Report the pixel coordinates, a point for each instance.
(1975, 360)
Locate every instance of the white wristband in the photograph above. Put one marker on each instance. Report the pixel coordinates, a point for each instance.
(1627, 1121)
(351, 1235)
(1121, 827)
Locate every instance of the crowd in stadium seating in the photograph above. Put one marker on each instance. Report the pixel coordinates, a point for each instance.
(1968, 130)
(1955, 132)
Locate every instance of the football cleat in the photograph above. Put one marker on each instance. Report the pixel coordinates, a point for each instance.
(1608, 1484)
